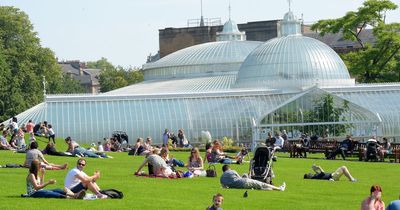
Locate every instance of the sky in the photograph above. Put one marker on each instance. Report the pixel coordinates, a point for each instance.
(126, 31)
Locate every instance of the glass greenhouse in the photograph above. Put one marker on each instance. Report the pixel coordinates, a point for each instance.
(234, 88)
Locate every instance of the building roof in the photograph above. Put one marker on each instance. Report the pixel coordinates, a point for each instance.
(201, 60)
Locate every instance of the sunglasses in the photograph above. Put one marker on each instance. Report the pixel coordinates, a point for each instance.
(81, 164)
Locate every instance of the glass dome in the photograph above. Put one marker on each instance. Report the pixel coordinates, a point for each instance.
(208, 59)
(293, 61)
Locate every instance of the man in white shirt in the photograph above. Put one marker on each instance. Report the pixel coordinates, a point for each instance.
(279, 141)
(77, 180)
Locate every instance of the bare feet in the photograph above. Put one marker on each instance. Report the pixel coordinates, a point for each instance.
(65, 166)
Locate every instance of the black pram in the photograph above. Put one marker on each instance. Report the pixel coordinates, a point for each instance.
(372, 150)
(261, 164)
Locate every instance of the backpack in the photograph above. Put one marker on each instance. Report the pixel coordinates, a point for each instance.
(112, 193)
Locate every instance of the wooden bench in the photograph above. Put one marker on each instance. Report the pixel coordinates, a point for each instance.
(395, 155)
(320, 146)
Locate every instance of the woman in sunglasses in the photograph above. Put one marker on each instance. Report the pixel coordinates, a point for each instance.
(195, 163)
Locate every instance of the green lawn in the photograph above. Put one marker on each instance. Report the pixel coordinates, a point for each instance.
(196, 193)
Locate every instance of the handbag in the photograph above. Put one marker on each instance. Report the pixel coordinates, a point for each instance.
(211, 172)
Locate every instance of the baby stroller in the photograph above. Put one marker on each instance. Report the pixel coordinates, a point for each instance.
(261, 164)
(372, 150)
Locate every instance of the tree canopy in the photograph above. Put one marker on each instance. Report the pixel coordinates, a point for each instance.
(375, 62)
(115, 77)
(23, 63)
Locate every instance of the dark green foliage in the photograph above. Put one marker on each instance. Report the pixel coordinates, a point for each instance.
(325, 110)
(115, 77)
(23, 63)
(373, 63)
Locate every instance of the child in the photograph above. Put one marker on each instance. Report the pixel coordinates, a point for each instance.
(217, 202)
(51, 133)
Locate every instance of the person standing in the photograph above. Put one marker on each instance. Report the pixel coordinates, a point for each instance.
(29, 127)
(77, 180)
(165, 138)
(51, 133)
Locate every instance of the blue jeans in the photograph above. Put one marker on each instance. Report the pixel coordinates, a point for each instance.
(56, 193)
(85, 152)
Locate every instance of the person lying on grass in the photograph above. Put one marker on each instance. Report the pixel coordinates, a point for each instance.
(335, 176)
(231, 179)
(35, 184)
(34, 154)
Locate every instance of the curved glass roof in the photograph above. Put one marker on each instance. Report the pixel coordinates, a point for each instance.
(295, 61)
(201, 60)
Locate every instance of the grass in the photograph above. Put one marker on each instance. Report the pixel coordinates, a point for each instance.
(196, 193)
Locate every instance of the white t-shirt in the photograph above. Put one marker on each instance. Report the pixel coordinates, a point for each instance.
(100, 148)
(71, 179)
(51, 131)
(279, 141)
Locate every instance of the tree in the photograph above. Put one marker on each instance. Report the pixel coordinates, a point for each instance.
(373, 63)
(353, 23)
(23, 63)
(115, 77)
(102, 64)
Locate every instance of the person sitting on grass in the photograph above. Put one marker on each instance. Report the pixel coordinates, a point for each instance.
(374, 201)
(139, 148)
(35, 184)
(34, 154)
(231, 179)
(241, 154)
(195, 163)
(218, 155)
(158, 165)
(77, 180)
(171, 161)
(4, 145)
(335, 176)
(217, 202)
(394, 205)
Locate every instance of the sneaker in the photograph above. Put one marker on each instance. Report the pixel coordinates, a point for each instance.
(354, 180)
(331, 180)
(102, 196)
(282, 187)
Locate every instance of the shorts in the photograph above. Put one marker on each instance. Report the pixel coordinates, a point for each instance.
(77, 188)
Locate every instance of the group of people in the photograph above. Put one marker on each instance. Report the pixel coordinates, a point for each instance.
(162, 165)
(17, 141)
(75, 184)
(215, 154)
(178, 140)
